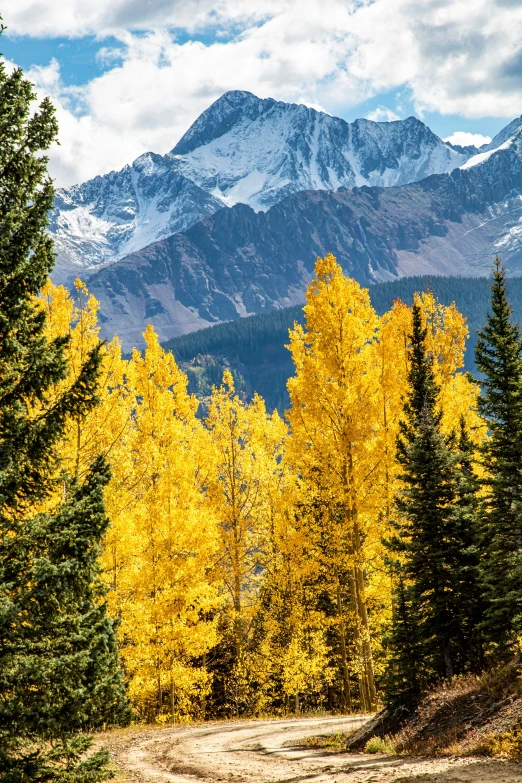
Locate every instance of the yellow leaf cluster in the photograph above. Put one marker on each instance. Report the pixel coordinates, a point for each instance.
(161, 549)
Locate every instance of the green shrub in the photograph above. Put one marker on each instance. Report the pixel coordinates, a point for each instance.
(379, 745)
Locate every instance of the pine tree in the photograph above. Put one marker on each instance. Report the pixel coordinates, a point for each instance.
(467, 586)
(403, 678)
(58, 657)
(499, 358)
(428, 544)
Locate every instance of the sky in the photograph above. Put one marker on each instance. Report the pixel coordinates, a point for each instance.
(129, 76)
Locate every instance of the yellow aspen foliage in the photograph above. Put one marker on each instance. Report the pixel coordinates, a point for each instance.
(244, 490)
(169, 598)
(446, 341)
(347, 396)
(334, 401)
(304, 663)
(243, 548)
(293, 650)
(292, 655)
(105, 430)
(160, 549)
(446, 337)
(101, 431)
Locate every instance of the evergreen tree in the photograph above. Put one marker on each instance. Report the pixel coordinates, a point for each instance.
(499, 358)
(58, 658)
(430, 548)
(467, 586)
(403, 679)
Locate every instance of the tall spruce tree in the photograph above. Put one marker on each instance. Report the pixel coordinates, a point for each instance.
(430, 544)
(499, 358)
(467, 585)
(403, 681)
(59, 668)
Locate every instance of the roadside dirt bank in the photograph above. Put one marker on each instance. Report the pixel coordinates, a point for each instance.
(269, 752)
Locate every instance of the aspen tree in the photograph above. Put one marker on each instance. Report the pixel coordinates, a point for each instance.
(161, 545)
(243, 489)
(106, 428)
(168, 619)
(293, 650)
(334, 406)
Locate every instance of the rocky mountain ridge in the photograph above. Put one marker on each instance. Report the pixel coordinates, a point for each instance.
(241, 150)
(240, 261)
(256, 152)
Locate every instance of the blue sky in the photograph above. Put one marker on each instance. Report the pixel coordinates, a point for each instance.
(131, 76)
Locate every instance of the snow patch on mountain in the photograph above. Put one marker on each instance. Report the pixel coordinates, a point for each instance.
(476, 160)
(514, 140)
(109, 217)
(503, 135)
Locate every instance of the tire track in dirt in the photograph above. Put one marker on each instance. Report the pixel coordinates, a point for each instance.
(271, 752)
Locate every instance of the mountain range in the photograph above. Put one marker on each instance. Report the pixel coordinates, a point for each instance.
(230, 222)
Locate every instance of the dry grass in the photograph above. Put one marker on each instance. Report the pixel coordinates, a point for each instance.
(334, 741)
(470, 716)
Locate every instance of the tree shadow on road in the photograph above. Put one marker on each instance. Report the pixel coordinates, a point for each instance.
(490, 771)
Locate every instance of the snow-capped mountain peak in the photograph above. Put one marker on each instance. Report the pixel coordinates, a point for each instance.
(220, 117)
(258, 151)
(504, 142)
(242, 149)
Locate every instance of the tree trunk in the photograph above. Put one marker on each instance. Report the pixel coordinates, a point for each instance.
(346, 673)
(363, 614)
(172, 699)
(204, 697)
(238, 631)
(160, 692)
(448, 662)
(358, 594)
(357, 637)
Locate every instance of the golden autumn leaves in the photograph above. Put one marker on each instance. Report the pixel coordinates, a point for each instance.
(244, 539)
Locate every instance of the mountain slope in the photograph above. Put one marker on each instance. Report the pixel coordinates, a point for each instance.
(241, 150)
(239, 262)
(111, 216)
(254, 348)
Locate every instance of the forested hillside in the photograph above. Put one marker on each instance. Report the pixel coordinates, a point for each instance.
(254, 348)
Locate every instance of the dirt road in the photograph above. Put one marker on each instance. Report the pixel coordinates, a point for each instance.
(269, 752)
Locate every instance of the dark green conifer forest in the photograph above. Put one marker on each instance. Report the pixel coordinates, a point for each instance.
(254, 350)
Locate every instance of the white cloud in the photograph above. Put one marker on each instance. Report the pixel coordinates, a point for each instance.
(465, 139)
(76, 18)
(455, 58)
(382, 114)
(150, 98)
